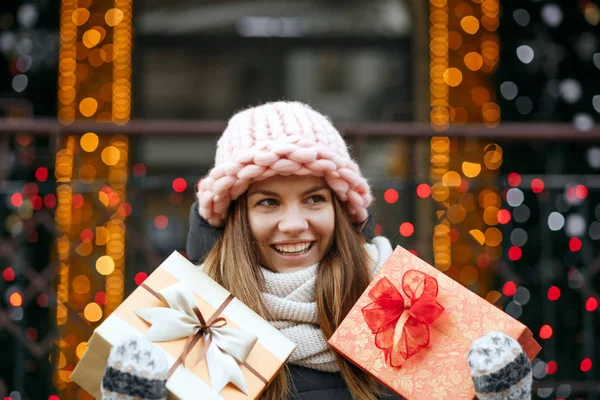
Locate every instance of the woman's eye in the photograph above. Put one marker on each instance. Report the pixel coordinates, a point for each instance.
(316, 199)
(265, 202)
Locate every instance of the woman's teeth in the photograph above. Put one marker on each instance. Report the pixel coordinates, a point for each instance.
(293, 249)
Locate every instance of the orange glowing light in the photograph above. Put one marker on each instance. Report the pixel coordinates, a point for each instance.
(470, 24)
(15, 299)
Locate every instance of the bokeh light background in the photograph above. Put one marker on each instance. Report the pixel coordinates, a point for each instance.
(475, 122)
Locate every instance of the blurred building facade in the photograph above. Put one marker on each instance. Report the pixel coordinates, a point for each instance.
(114, 204)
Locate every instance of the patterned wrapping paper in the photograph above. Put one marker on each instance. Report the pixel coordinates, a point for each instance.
(192, 381)
(440, 370)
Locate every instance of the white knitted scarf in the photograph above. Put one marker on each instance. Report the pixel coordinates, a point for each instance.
(291, 298)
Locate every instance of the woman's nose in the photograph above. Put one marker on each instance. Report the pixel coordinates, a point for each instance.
(293, 221)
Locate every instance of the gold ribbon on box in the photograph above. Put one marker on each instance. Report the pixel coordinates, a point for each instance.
(223, 347)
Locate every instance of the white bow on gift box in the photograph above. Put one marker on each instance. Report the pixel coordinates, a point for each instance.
(224, 347)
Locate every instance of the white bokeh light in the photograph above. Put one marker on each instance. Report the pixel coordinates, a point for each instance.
(515, 197)
(521, 213)
(575, 225)
(552, 15)
(518, 237)
(509, 90)
(524, 105)
(556, 221)
(594, 231)
(596, 103)
(583, 122)
(521, 17)
(570, 90)
(525, 54)
(19, 83)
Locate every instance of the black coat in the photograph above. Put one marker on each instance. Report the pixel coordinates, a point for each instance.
(308, 384)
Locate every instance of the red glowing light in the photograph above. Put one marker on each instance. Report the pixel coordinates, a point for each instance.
(581, 191)
(140, 277)
(30, 189)
(515, 253)
(514, 179)
(454, 235)
(33, 236)
(591, 304)
(551, 367)
(390, 196)
(509, 288)
(553, 293)
(124, 210)
(537, 185)
(575, 244)
(586, 365)
(423, 190)
(86, 234)
(37, 203)
(483, 260)
(138, 169)
(50, 201)
(546, 332)
(16, 199)
(503, 216)
(378, 230)
(42, 300)
(100, 298)
(41, 174)
(464, 186)
(77, 201)
(161, 222)
(406, 229)
(8, 274)
(179, 185)
(32, 333)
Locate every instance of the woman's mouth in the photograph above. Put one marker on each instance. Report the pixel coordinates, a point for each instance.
(293, 249)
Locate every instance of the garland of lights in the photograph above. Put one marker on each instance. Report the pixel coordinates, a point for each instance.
(463, 52)
(91, 171)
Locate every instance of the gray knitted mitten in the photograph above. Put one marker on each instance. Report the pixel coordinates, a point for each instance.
(500, 369)
(136, 370)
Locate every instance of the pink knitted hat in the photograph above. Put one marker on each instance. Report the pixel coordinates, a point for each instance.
(282, 138)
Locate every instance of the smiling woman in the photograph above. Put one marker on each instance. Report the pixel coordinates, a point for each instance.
(292, 221)
(291, 203)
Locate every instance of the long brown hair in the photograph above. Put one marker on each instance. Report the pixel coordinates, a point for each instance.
(342, 276)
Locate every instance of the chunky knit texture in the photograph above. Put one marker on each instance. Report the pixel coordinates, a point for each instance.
(500, 369)
(136, 369)
(281, 138)
(291, 298)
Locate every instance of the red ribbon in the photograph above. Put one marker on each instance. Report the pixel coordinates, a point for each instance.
(401, 328)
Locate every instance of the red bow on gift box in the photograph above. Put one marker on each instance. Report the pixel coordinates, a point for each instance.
(402, 328)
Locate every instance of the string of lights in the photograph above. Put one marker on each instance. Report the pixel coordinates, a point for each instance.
(92, 171)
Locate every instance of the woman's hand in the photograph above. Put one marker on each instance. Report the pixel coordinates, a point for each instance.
(500, 369)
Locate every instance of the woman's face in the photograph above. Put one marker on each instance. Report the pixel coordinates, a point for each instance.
(292, 220)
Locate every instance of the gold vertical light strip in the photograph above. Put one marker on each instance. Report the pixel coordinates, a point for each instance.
(63, 172)
(439, 118)
(121, 112)
(94, 85)
(464, 53)
(64, 168)
(67, 63)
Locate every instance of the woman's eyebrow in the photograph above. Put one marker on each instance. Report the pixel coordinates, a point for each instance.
(265, 192)
(314, 189)
(269, 193)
